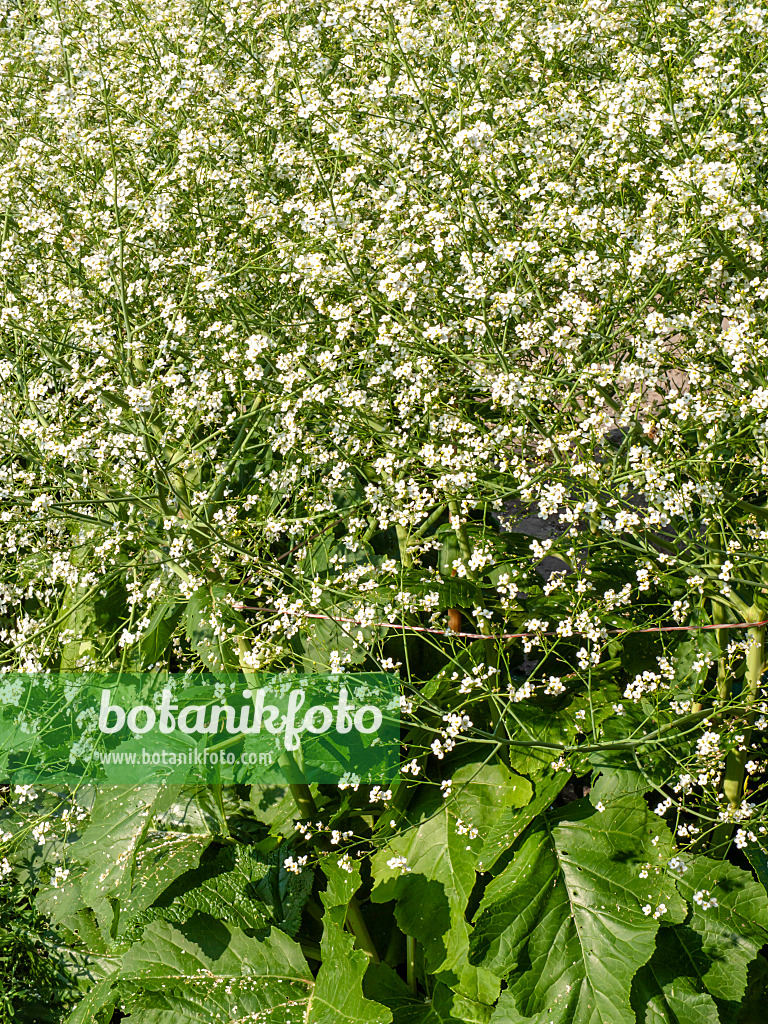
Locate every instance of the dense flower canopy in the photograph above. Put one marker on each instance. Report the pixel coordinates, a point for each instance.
(305, 304)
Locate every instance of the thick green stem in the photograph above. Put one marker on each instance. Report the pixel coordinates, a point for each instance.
(359, 929)
(411, 963)
(402, 539)
(719, 615)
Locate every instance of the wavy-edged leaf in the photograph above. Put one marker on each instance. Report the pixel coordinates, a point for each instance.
(670, 988)
(206, 971)
(156, 638)
(239, 887)
(432, 890)
(729, 933)
(159, 862)
(569, 920)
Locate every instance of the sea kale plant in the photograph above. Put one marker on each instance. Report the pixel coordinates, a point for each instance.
(309, 309)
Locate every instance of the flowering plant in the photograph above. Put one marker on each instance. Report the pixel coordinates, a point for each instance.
(413, 336)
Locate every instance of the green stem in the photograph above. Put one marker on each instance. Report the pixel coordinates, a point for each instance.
(402, 539)
(411, 963)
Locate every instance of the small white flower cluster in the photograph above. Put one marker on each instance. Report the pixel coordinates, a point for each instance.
(349, 780)
(295, 866)
(59, 877)
(744, 837)
(398, 863)
(41, 830)
(476, 679)
(463, 829)
(345, 863)
(677, 865)
(25, 794)
(704, 899)
(449, 733)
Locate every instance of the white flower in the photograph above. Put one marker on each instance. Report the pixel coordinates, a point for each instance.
(398, 862)
(349, 781)
(704, 900)
(40, 832)
(295, 866)
(60, 875)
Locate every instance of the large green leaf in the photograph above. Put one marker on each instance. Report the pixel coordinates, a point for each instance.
(122, 862)
(569, 920)
(699, 972)
(339, 986)
(432, 889)
(119, 819)
(726, 934)
(207, 971)
(338, 997)
(240, 887)
(512, 818)
(159, 861)
(670, 988)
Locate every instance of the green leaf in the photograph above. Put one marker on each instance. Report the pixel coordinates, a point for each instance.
(98, 1005)
(155, 640)
(670, 988)
(510, 821)
(469, 993)
(342, 884)
(564, 921)
(340, 979)
(238, 886)
(207, 971)
(120, 817)
(338, 997)
(159, 861)
(729, 935)
(433, 889)
(216, 646)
